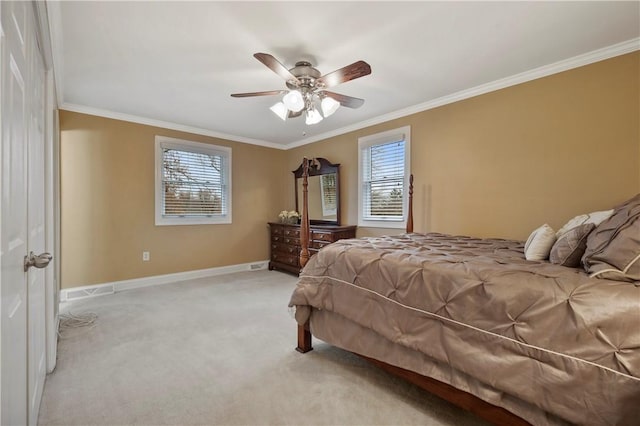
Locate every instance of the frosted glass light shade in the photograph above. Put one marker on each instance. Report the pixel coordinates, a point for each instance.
(280, 110)
(313, 116)
(329, 106)
(293, 101)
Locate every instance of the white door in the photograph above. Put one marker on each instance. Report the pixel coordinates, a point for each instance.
(22, 339)
(13, 345)
(36, 234)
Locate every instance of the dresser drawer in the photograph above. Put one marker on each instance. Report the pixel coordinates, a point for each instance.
(323, 236)
(285, 248)
(277, 238)
(276, 230)
(291, 241)
(292, 232)
(289, 259)
(319, 244)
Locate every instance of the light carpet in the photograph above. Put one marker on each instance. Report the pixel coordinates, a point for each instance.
(219, 351)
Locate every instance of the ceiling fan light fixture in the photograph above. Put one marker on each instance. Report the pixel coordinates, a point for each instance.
(293, 101)
(305, 93)
(313, 116)
(329, 106)
(280, 110)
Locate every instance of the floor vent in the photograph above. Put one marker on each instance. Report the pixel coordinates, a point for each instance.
(81, 293)
(256, 266)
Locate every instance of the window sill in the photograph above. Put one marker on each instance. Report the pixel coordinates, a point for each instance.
(391, 224)
(192, 221)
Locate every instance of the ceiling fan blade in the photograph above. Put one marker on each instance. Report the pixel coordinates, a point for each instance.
(275, 66)
(347, 101)
(267, 93)
(294, 114)
(348, 73)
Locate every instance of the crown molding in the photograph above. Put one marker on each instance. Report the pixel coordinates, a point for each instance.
(536, 73)
(83, 109)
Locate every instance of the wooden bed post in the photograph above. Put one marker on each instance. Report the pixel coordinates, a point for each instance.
(410, 212)
(304, 332)
(304, 222)
(304, 339)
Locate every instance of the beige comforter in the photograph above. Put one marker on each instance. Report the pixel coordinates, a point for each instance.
(546, 334)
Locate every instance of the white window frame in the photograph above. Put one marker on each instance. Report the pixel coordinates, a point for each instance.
(164, 142)
(365, 142)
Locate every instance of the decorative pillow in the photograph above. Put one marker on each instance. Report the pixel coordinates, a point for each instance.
(569, 248)
(613, 248)
(539, 243)
(596, 218)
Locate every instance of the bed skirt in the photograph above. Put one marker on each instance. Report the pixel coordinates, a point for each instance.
(340, 332)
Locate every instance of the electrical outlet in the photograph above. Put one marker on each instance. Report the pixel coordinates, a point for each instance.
(145, 256)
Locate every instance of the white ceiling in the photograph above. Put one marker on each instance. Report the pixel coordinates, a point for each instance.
(176, 63)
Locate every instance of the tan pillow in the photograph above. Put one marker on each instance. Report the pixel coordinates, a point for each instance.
(594, 217)
(569, 248)
(539, 243)
(613, 248)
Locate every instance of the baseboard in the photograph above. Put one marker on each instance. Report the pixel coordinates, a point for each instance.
(104, 289)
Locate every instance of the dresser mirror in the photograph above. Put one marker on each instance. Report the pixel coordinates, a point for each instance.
(323, 191)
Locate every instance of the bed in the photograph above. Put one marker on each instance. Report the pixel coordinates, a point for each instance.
(513, 340)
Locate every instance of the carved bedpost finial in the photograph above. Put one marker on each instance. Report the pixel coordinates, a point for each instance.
(304, 221)
(314, 162)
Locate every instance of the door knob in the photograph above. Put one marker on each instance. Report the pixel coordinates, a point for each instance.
(39, 261)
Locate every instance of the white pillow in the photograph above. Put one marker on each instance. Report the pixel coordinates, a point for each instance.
(539, 243)
(596, 218)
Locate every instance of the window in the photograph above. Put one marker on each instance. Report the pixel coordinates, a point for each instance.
(384, 179)
(193, 182)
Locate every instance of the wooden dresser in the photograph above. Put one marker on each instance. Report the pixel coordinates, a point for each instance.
(285, 243)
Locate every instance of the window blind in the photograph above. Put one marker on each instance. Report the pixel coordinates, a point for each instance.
(383, 180)
(193, 184)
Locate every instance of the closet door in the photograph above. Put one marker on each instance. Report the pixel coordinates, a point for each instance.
(22, 338)
(36, 345)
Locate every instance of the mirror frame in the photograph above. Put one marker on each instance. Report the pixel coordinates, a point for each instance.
(319, 166)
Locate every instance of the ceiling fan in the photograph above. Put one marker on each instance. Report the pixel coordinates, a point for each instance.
(307, 88)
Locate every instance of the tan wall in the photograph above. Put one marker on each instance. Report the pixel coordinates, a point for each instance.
(498, 165)
(503, 163)
(107, 203)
